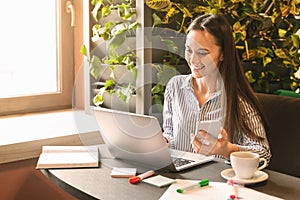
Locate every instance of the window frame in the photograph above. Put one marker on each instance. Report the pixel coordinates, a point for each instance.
(51, 101)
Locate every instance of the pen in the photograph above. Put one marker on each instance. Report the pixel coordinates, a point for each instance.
(201, 183)
(136, 179)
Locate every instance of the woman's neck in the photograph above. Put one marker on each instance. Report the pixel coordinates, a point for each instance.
(204, 85)
(203, 89)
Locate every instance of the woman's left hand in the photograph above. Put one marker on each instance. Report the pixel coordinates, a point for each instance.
(209, 145)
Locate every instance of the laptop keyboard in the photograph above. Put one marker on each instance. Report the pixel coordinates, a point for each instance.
(181, 161)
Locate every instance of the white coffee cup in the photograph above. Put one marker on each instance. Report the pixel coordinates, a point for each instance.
(245, 163)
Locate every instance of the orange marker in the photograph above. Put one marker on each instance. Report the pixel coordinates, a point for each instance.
(136, 179)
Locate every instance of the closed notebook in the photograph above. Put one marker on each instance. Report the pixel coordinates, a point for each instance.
(118, 172)
(68, 157)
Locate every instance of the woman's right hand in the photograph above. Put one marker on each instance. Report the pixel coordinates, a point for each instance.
(209, 145)
(203, 143)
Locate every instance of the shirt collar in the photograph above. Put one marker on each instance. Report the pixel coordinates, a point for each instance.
(187, 83)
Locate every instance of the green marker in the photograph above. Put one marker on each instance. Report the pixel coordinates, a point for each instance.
(202, 183)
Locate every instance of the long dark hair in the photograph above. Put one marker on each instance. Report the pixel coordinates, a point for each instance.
(231, 71)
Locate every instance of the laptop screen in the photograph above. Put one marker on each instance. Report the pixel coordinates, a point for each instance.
(134, 137)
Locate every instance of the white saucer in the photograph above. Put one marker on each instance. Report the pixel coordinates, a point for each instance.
(259, 176)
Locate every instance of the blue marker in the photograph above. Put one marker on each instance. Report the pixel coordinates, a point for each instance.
(202, 183)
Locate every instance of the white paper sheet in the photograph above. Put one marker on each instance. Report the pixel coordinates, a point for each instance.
(215, 191)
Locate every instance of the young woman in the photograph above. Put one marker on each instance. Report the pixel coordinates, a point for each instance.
(216, 89)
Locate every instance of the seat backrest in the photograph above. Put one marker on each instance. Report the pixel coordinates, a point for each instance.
(283, 114)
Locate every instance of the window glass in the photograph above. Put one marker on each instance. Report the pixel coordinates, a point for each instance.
(28, 48)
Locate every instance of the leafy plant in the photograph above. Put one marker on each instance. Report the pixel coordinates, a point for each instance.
(165, 73)
(114, 22)
(166, 65)
(264, 32)
(124, 92)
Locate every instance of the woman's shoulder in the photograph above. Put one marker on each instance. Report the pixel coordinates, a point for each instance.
(246, 105)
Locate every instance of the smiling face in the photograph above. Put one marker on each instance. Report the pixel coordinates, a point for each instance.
(202, 53)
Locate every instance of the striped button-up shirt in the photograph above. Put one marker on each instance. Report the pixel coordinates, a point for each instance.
(182, 111)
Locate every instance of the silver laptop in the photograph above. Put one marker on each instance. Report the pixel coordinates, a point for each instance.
(138, 138)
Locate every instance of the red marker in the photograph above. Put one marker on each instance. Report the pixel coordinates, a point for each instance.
(136, 179)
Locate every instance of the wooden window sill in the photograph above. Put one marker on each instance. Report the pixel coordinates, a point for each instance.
(22, 137)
